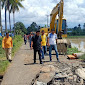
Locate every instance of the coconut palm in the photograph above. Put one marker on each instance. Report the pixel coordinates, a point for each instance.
(8, 8)
(15, 7)
(4, 3)
(0, 14)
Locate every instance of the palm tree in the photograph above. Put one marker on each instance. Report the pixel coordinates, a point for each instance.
(15, 7)
(0, 15)
(4, 3)
(8, 8)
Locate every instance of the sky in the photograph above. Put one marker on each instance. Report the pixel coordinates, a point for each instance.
(36, 11)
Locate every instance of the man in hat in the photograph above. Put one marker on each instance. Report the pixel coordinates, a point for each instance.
(36, 44)
(52, 38)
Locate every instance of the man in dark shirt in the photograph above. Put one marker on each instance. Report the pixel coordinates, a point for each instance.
(36, 45)
(25, 39)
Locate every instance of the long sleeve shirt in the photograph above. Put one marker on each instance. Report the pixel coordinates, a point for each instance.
(7, 42)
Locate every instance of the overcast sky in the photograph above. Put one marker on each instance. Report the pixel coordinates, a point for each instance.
(36, 11)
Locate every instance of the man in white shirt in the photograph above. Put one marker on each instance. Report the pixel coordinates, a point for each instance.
(52, 38)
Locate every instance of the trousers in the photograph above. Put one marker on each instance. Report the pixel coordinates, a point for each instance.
(39, 53)
(8, 53)
(44, 48)
(50, 49)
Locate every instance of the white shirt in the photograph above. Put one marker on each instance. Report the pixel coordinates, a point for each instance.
(52, 38)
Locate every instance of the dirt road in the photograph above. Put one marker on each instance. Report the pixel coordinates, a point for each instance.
(22, 70)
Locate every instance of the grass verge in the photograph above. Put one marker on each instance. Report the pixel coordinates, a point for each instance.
(76, 37)
(70, 51)
(17, 42)
(82, 57)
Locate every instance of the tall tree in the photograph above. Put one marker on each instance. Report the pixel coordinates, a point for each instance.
(0, 15)
(79, 29)
(15, 7)
(84, 26)
(8, 8)
(4, 4)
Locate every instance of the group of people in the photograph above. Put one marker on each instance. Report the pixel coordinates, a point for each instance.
(40, 43)
(29, 38)
(36, 42)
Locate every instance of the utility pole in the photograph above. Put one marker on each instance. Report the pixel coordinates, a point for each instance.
(47, 19)
(0, 16)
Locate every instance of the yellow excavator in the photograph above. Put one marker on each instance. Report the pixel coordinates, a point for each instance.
(60, 27)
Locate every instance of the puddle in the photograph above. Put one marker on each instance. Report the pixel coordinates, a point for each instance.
(78, 43)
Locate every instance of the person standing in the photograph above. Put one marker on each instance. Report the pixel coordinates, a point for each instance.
(52, 38)
(30, 38)
(43, 43)
(36, 45)
(7, 45)
(25, 39)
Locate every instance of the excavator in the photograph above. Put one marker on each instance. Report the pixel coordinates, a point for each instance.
(60, 27)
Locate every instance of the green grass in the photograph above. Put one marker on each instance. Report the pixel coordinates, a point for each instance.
(17, 42)
(76, 37)
(70, 51)
(3, 66)
(83, 57)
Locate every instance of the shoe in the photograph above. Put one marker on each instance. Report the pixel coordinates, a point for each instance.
(10, 61)
(46, 54)
(34, 63)
(43, 58)
(50, 60)
(58, 60)
(41, 62)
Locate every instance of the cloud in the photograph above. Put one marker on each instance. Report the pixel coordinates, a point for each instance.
(36, 11)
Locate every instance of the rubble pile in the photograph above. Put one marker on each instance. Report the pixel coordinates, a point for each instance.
(61, 74)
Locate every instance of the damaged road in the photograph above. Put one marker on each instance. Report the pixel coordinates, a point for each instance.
(67, 72)
(61, 74)
(22, 71)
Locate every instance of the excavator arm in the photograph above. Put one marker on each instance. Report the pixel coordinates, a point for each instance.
(57, 10)
(53, 16)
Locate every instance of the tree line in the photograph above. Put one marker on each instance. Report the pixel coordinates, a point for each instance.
(76, 31)
(20, 28)
(11, 6)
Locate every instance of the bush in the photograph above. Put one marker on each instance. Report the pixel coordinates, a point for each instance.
(70, 51)
(83, 57)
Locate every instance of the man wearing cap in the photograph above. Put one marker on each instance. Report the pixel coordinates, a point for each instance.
(52, 38)
(36, 43)
(43, 43)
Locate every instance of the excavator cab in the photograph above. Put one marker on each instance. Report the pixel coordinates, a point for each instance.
(63, 33)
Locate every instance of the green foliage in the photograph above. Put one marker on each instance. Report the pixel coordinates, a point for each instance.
(3, 66)
(1, 50)
(77, 31)
(83, 57)
(20, 28)
(76, 37)
(70, 51)
(33, 28)
(17, 42)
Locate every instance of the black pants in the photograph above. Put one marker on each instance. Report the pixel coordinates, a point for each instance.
(39, 53)
(25, 41)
